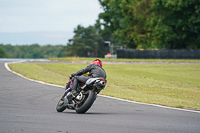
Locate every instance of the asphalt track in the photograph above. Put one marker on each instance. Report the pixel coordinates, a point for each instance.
(29, 107)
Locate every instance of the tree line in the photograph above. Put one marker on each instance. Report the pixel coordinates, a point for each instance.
(30, 51)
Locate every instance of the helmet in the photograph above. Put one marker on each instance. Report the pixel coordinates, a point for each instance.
(98, 62)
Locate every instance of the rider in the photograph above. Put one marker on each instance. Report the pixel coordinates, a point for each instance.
(95, 71)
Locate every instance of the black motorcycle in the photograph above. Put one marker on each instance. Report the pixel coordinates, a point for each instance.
(84, 100)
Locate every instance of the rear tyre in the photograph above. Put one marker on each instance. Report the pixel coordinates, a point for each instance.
(60, 106)
(87, 102)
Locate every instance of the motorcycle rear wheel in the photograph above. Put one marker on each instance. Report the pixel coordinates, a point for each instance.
(85, 105)
(60, 106)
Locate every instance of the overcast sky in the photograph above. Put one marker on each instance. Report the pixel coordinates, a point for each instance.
(44, 21)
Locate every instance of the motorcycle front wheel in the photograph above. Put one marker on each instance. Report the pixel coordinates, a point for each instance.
(60, 106)
(85, 103)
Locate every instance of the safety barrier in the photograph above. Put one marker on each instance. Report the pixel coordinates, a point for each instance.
(159, 54)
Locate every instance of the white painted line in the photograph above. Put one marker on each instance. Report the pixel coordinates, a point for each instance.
(41, 82)
(194, 111)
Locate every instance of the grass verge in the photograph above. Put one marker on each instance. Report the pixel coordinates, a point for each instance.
(77, 59)
(170, 85)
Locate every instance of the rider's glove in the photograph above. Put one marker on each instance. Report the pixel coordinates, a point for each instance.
(72, 75)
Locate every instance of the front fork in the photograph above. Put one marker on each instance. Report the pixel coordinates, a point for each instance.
(66, 91)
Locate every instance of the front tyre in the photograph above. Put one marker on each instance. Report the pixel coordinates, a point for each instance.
(60, 106)
(89, 98)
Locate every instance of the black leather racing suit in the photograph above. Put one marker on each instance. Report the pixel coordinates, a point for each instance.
(95, 71)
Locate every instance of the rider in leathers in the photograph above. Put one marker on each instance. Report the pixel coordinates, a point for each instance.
(95, 71)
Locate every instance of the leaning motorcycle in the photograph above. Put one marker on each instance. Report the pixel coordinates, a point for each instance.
(84, 100)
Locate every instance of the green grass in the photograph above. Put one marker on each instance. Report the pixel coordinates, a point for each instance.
(77, 59)
(170, 85)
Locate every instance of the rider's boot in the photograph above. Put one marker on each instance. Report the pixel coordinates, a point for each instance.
(73, 93)
(74, 90)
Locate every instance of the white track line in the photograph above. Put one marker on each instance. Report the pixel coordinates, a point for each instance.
(41, 82)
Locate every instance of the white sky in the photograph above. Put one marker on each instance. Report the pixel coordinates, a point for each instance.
(49, 18)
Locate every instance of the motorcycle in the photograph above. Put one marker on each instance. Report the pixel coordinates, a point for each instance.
(84, 100)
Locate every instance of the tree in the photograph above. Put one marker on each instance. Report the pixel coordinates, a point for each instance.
(176, 24)
(135, 26)
(126, 20)
(165, 24)
(111, 19)
(2, 53)
(85, 42)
